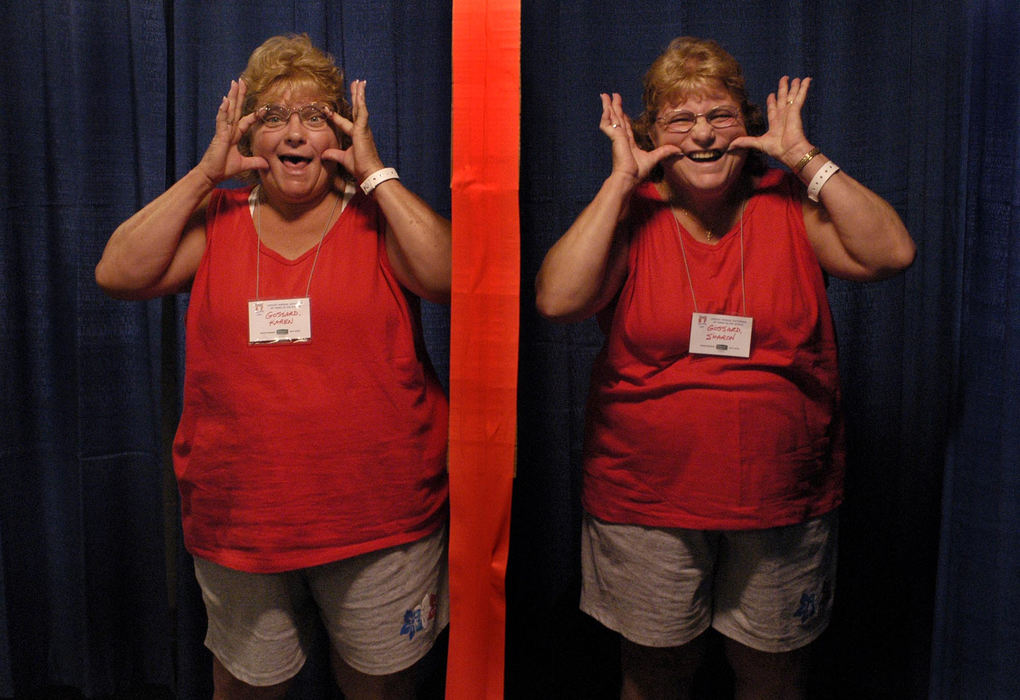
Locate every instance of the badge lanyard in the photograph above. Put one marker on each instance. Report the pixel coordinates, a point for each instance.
(281, 320)
(718, 334)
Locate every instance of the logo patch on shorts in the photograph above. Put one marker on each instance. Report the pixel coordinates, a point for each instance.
(420, 618)
(808, 607)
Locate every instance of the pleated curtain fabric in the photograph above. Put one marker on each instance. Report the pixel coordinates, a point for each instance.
(976, 640)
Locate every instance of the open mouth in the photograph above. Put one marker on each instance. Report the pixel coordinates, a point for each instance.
(295, 160)
(705, 156)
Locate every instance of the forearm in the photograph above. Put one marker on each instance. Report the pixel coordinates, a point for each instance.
(572, 282)
(139, 259)
(418, 241)
(859, 235)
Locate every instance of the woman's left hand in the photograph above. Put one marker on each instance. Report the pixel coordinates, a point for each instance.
(855, 233)
(417, 238)
(361, 158)
(785, 140)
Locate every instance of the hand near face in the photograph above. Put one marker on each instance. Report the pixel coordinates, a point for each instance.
(628, 157)
(222, 159)
(361, 158)
(785, 140)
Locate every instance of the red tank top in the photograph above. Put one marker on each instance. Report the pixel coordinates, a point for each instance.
(708, 442)
(290, 456)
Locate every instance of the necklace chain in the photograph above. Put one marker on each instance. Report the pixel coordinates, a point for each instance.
(683, 251)
(708, 233)
(258, 249)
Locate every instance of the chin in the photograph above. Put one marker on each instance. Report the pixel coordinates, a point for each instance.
(717, 181)
(300, 188)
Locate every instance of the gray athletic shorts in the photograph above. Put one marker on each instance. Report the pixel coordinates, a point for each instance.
(768, 589)
(382, 610)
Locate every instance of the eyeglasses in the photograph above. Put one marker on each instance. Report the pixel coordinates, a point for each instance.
(718, 118)
(314, 115)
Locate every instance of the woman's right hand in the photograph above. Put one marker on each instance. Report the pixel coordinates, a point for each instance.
(222, 159)
(158, 249)
(585, 268)
(628, 157)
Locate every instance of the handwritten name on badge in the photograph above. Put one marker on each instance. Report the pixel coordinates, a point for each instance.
(717, 334)
(279, 321)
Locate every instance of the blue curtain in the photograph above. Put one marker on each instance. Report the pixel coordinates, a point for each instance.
(977, 616)
(81, 526)
(106, 102)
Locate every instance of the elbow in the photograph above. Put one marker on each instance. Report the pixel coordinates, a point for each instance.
(908, 253)
(901, 256)
(116, 286)
(434, 287)
(437, 296)
(553, 307)
(895, 256)
(437, 287)
(106, 282)
(893, 263)
(546, 308)
(545, 302)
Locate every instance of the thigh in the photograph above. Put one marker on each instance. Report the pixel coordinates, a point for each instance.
(774, 587)
(652, 585)
(383, 610)
(258, 623)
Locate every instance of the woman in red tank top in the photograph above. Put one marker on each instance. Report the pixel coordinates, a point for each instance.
(714, 441)
(311, 450)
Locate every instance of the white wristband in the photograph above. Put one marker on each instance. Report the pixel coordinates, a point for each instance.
(820, 178)
(379, 176)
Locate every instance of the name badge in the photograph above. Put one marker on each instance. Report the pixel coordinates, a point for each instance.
(279, 321)
(715, 334)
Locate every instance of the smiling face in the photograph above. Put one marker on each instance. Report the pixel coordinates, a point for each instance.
(709, 168)
(296, 172)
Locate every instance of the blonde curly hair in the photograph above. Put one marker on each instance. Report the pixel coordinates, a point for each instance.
(689, 65)
(292, 61)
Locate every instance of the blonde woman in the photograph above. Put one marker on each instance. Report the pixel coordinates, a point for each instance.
(311, 451)
(714, 453)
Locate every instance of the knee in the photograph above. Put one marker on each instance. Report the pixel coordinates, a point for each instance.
(357, 685)
(784, 670)
(645, 667)
(226, 686)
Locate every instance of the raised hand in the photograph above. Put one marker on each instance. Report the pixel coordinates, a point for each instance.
(361, 158)
(628, 157)
(785, 140)
(222, 159)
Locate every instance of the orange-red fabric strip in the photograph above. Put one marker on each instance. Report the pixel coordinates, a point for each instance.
(483, 337)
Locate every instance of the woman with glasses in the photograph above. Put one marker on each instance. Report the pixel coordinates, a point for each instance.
(714, 444)
(311, 451)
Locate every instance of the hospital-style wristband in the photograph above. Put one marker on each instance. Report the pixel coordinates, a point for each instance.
(820, 178)
(379, 176)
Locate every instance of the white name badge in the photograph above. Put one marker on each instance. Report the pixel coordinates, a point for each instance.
(715, 334)
(279, 321)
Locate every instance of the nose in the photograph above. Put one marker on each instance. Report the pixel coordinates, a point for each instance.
(702, 130)
(702, 133)
(295, 128)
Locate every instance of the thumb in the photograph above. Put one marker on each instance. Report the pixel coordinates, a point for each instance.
(748, 142)
(334, 154)
(254, 163)
(665, 151)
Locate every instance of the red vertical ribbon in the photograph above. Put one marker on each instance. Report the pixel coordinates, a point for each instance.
(483, 337)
